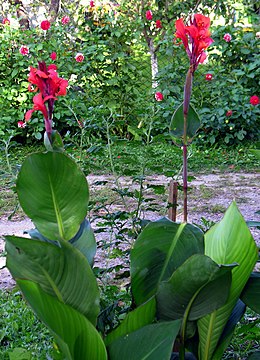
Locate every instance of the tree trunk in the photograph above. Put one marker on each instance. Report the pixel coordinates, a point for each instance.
(54, 9)
(22, 15)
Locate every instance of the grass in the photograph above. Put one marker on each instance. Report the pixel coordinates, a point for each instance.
(20, 329)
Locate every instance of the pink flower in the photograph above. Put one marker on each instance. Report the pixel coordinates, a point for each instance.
(53, 56)
(79, 57)
(158, 24)
(91, 4)
(227, 37)
(45, 25)
(229, 113)
(158, 96)
(208, 77)
(254, 100)
(24, 50)
(149, 15)
(6, 21)
(21, 124)
(65, 20)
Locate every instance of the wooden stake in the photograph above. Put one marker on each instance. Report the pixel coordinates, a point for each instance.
(172, 202)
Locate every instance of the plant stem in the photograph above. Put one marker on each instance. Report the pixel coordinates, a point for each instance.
(186, 104)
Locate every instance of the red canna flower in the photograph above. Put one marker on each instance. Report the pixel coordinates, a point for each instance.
(91, 4)
(53, 56)
(149, 15)
(5, 21)
(45, 25)
(50, 86)
(229, 113)
(79, 57)
(208, 77)
(158, 24)
(24, 50)
(227, 37)
(254, 100)
(158, 96)
(65, 20)
(195, 38)
(21, 124)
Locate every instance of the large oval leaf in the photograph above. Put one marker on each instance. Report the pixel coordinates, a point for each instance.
(251, 292)
(151, 342)
(195, 289)
(76, 336)
(61, 271)
(193, 122)
(54, 193)
(158, 251)
(229, 241)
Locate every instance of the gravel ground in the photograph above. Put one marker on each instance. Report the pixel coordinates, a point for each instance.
(209, 196)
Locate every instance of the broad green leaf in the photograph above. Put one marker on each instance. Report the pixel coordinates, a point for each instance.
(228, 331)
(61, 271)
(227, 242)
(139, 317)
(256, 152)
(254, 356)
(84, 240)
(176, 125)
(19, 354)
(195, 289)
(76, 336)
(54, 193)
(153, 342)
(251, 292)
(56, 143)
(158, 251)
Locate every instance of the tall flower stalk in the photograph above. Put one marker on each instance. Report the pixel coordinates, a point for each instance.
(196, 38)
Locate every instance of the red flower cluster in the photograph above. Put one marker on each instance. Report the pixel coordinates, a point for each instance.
(158, 96)
(91, 4)
(45, 25)
(24, 50)
(79, 57)
(195, 38)
(53, 56)
(149, 15)
(158, 24)
(254, 100)
(50, 86)
(208, 77)
(5, 21)
(65, 20)
(229, 113)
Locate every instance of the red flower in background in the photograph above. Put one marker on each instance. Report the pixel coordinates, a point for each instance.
(254, 100)
(50, 86)
(158, 96)
(195, 38)
(227, 37)
(53, 56)
(45, 25)
(208, 77)
(21, 124)
(229, 113)
(79, 57)
(158, 24)
(65, 20)
(24, 50)
(6, 21)
(92, 3)
(149, 15)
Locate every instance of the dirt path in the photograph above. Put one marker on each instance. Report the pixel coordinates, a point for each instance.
(209, 197)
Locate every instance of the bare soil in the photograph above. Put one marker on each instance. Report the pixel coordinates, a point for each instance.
(209, 197)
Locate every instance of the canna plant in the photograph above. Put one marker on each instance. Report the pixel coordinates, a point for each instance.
(189, 289)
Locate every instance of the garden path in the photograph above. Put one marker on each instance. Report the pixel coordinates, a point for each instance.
(209, 196)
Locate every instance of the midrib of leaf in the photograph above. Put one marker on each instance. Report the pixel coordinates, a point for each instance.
(53, 285)
(209, 335)
(57, 211)
(178, 233)
(153, 350)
